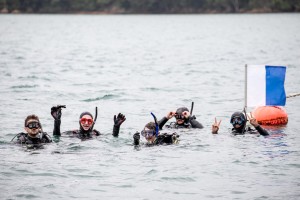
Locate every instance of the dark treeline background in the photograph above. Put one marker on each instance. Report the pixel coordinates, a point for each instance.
(148, 6)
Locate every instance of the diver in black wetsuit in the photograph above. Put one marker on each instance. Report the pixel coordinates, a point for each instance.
(183, 119)
(153, 137)
(34, 137)
(238, 121)
(86, 124)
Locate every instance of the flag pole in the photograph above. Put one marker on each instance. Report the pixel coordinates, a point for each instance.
(245, 86)
(245, 107)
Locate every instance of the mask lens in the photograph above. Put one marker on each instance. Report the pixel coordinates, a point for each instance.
(237, 120)
(85, 120)
(148, 133)
(177, 116)
(32, 125)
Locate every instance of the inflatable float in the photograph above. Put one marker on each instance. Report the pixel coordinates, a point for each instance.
(270, 115)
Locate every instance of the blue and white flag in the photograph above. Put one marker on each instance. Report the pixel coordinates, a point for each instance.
(265, 85)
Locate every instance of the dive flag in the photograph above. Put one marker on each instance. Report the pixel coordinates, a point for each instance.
(265, 85)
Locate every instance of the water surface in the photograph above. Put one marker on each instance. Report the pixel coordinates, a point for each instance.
(136, 64)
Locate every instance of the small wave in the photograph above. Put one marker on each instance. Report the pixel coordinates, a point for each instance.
(24, 86)
(105, 97)
(238, 192)
(28, 77)
(152, 171)
(150, 89)
(25, 99)
(183, 179)
(20, 58)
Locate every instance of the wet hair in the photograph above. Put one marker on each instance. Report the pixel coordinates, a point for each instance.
(150, 125)
(29, 117)
(179, 111)
(85, 113)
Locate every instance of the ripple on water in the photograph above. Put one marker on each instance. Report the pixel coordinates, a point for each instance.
(23, 86)
(180, 179)
(105, 97)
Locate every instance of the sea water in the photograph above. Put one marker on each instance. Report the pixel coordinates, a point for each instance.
(137, 64)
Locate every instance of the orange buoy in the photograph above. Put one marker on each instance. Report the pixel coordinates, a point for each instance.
(270, 115)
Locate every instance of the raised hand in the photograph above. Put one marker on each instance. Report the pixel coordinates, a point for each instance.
(118, 120)
(137, 136)
(215, 127)
(186, 114)
(170, 114)
(56, 111)
(252, 120)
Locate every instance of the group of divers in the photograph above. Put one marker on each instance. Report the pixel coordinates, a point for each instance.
(34, 137)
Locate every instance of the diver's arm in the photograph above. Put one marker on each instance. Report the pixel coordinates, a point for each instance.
(46, 138)
(254, 122)
(56, 130)
(162, 122)
(116, 131)
(195, 123)
(56, 114)
(136, 139)
(20, 138)
(261, 130)
(118, 120)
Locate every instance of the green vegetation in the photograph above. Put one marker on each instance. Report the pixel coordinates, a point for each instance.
(148, 6)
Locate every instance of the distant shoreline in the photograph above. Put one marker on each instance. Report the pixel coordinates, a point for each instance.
(146, 13)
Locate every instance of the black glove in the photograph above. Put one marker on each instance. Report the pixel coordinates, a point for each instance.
(136, 138)
(118, 120)
(56, 111)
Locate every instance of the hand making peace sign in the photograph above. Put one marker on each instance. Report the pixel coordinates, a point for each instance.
(252, 120)
(215, 127)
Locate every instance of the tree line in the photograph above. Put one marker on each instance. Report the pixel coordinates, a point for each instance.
(148, 6)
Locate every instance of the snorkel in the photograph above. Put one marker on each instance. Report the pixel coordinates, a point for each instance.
(96, 115)
(192, 107)
(156, 124)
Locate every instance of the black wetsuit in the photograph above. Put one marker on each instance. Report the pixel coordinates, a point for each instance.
(81, 134)
(249, 130)
(191, 122)
(160, 139)
(37, 142)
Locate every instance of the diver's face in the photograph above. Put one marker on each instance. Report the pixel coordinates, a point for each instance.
(237, 122)
(179, 118)
(149, 135)
(237, 126)
(86, 122)
(179, 121)
(32, 127)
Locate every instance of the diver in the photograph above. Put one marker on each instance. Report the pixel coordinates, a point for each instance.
(238, 121)
(153, 136)
(184, 119)
(86, 124)
(34, 137)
